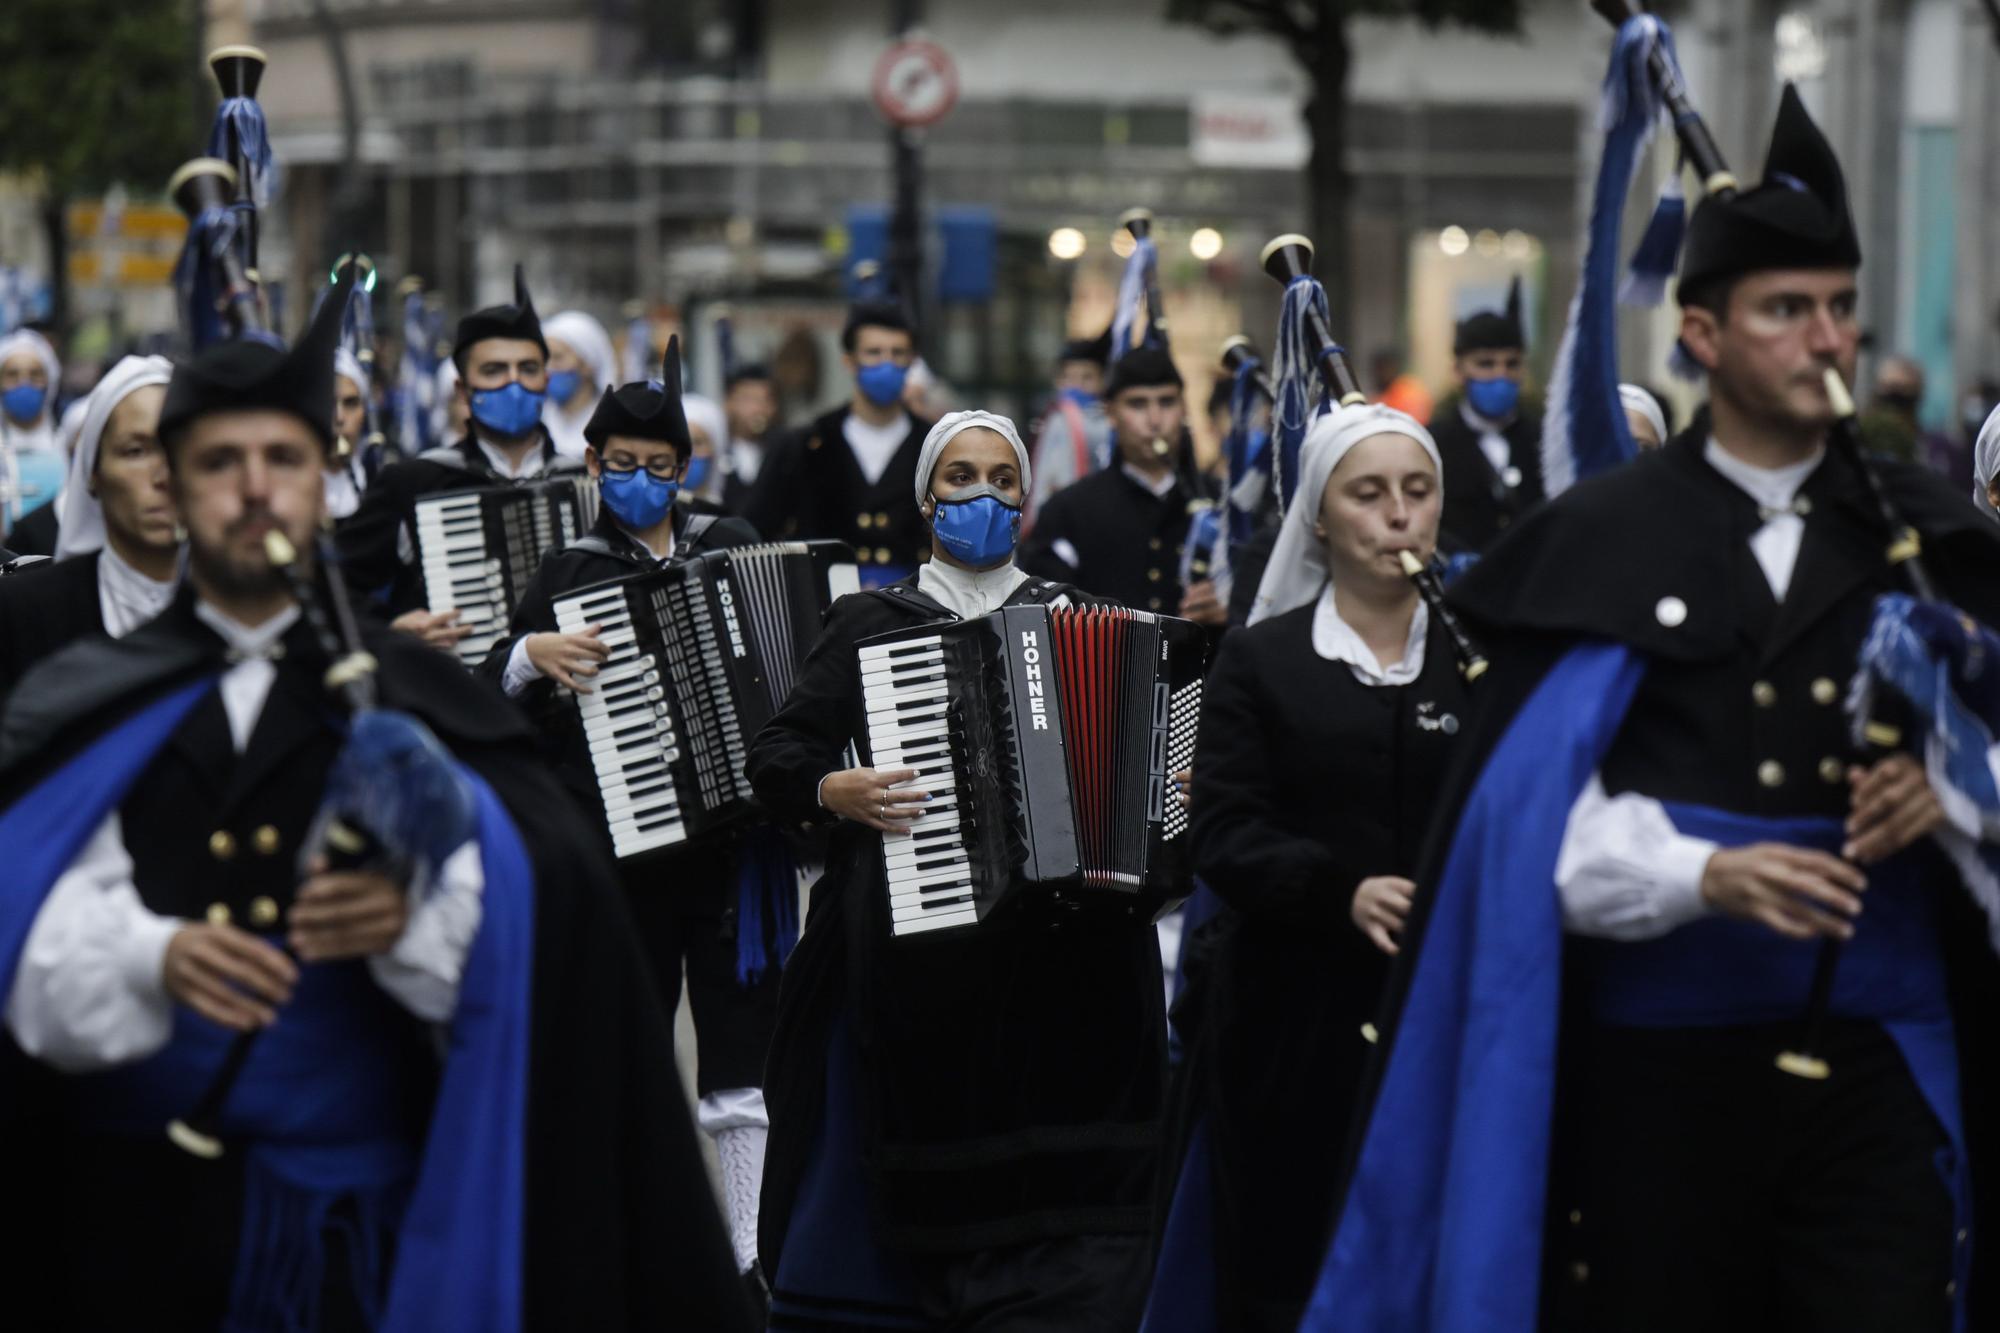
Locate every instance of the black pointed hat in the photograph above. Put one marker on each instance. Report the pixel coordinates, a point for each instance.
(518, 320)
(1493, 330)
(1095, 350)
(645, 409)
(1797, 217)
(257, 372)
(1141, 368)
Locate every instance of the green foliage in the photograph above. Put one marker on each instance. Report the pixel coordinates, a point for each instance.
(98, 91)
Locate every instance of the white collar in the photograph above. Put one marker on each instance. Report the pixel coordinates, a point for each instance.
(640, 542)
(1773, 488)
(532, 463)
(1159, 485)
(127, 598)
(968, 592)
(247, 641)
(1336, 640)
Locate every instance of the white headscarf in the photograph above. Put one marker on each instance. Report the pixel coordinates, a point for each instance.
(81, 527)
(1635, 399)
(706, 413)
(1297, 570)
(348, 364)
(592, 345)
(1986, 459)
(41, 433)
(948, 429)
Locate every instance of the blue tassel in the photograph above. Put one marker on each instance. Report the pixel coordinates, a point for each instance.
(1584, 431)
(197, 279)
(239, 121)
(1140, 266)
(1248, 452)
(1297, 380)
(1659, 250)
(767, 905)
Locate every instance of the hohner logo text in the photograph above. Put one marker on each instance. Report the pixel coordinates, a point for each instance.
(1031, 658)
(728, 604)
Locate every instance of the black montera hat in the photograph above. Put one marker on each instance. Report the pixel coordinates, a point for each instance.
(1493, 330)
(518, 320)
(258, 372)
(645, 409)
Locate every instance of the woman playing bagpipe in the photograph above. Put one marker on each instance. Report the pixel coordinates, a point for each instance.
(345, 1030)
(1326, 729)
(1596, 1025)
(964, 1125)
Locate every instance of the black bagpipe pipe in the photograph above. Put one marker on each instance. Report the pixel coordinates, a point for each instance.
(1139, 222)
(1289, 257)
(345, 846)
(1472, 663)
(206, 184)
(1238, 351)
(239, 70)
(1904, 551)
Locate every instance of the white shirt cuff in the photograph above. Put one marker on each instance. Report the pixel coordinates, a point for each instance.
(423, 971)
(1625, 872)
(521, 670)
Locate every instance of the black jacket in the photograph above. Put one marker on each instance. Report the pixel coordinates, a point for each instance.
(1481, 502)
(1126, 540)
(1012, 1074)
(36, 533)
(377, 542)
(621, 1225)
(44, 608)
(1306, 782)
(810, 488)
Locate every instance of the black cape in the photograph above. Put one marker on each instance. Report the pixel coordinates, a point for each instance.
(45, 608)
(622, 1229)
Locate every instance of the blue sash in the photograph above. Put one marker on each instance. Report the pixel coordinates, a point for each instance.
(458, 1248)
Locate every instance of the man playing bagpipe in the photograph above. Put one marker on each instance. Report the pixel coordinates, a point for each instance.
(1675, 814)
(690, 909)
(365, 964)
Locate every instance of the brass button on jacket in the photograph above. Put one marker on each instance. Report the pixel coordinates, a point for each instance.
(222, 844)
(1771, 773)
(265, 840)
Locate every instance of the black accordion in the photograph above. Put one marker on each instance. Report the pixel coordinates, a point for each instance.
(1048, 738)
(478, 549)
(702, 653)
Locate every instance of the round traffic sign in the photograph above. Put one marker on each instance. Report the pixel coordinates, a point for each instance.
(915, 83)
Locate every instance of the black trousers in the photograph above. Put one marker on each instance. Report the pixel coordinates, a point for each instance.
(1698, 1187)
(685, 910)
(1088, 1284)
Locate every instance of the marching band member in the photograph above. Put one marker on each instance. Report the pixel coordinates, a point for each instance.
(1326, 729)
(843, 477)
(751, 401)
(581, 369)
(1118, 533)
(684, 902)
(1491, 444)
(964, 1126)
(502, 360)
(455, 1115)
(346, 474)
(118, 549)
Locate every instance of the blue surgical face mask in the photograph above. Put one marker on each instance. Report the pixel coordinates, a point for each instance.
(977, 526)
(881, 383)
(637, 498)
(1083, 398)
(1494, 399)
(24, 402)
(511, 410)
(697, 472)
(562, 385)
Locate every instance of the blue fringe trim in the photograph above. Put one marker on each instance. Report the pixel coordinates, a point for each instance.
(767, 905)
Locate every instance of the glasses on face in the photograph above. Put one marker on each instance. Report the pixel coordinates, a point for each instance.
(660, 469)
